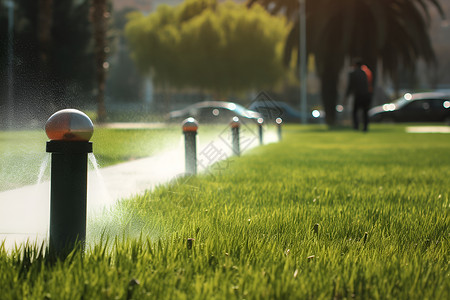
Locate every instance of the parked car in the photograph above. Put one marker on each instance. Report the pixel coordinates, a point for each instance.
(418, 107)
(214, 112)
(271, 110)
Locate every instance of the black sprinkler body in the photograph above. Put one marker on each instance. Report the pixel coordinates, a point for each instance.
(235, 126)
(69, 131)
(190, 127)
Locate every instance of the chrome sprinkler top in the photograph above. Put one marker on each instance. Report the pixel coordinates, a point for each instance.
(235, 123)
(279, 121)
(190, 125)
(69, 125)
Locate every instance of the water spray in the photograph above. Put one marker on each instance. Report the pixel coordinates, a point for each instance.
(279, 121)
(69, 131)
(260, 130)
(190, 127)
(235, 125)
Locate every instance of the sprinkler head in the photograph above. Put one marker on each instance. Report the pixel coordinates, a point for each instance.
(190, 125)
(189, 243)
(69, 125)
(279, 121)
(260, 121)
(235, 123)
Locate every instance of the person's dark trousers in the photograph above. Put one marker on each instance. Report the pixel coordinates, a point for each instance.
(361, 103)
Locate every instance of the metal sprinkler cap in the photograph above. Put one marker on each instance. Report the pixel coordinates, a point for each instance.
(279, 121)
(235, 123)
(69, 125)
(190, 125)
(260, 121)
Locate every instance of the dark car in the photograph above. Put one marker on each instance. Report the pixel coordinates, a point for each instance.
(419, 107)
(271, 110)
(214, 112)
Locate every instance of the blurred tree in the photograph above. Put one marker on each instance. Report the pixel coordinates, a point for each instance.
(217, 47)
(392, 31)
(124, 82)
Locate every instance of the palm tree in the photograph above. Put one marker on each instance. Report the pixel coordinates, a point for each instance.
(99, 16)
(45, 17)
(392, 31)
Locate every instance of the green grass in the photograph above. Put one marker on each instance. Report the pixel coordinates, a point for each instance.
(20, 158)
(22, 152)
(127, 116)
(381, 202)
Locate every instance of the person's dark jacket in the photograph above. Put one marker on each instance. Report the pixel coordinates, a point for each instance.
(358, 84)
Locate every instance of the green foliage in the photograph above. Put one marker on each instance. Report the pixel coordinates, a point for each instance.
(381, 202)
(220, 47)
(192, 8)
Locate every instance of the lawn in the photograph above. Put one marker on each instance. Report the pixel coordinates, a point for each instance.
(23, 152)
(320, 215)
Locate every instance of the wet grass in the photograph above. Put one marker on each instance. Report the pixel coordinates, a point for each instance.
(320, 215)
(22, 152)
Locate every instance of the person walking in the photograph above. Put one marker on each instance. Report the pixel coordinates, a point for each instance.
(360, 85)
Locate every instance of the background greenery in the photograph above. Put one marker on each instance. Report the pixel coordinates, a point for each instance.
(380, 201)
(220, 47)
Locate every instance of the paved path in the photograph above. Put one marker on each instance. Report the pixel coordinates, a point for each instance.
(428, 129)
(24, 212)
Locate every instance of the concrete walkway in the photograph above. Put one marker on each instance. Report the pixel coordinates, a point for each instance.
(24, 212)
(428, 129)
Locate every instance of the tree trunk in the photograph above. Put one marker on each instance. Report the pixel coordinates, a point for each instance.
(44, 37)
(329, 66)
(329, 96)
(45, 26)
(167, 97)
(396, 83)
(99, 16)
